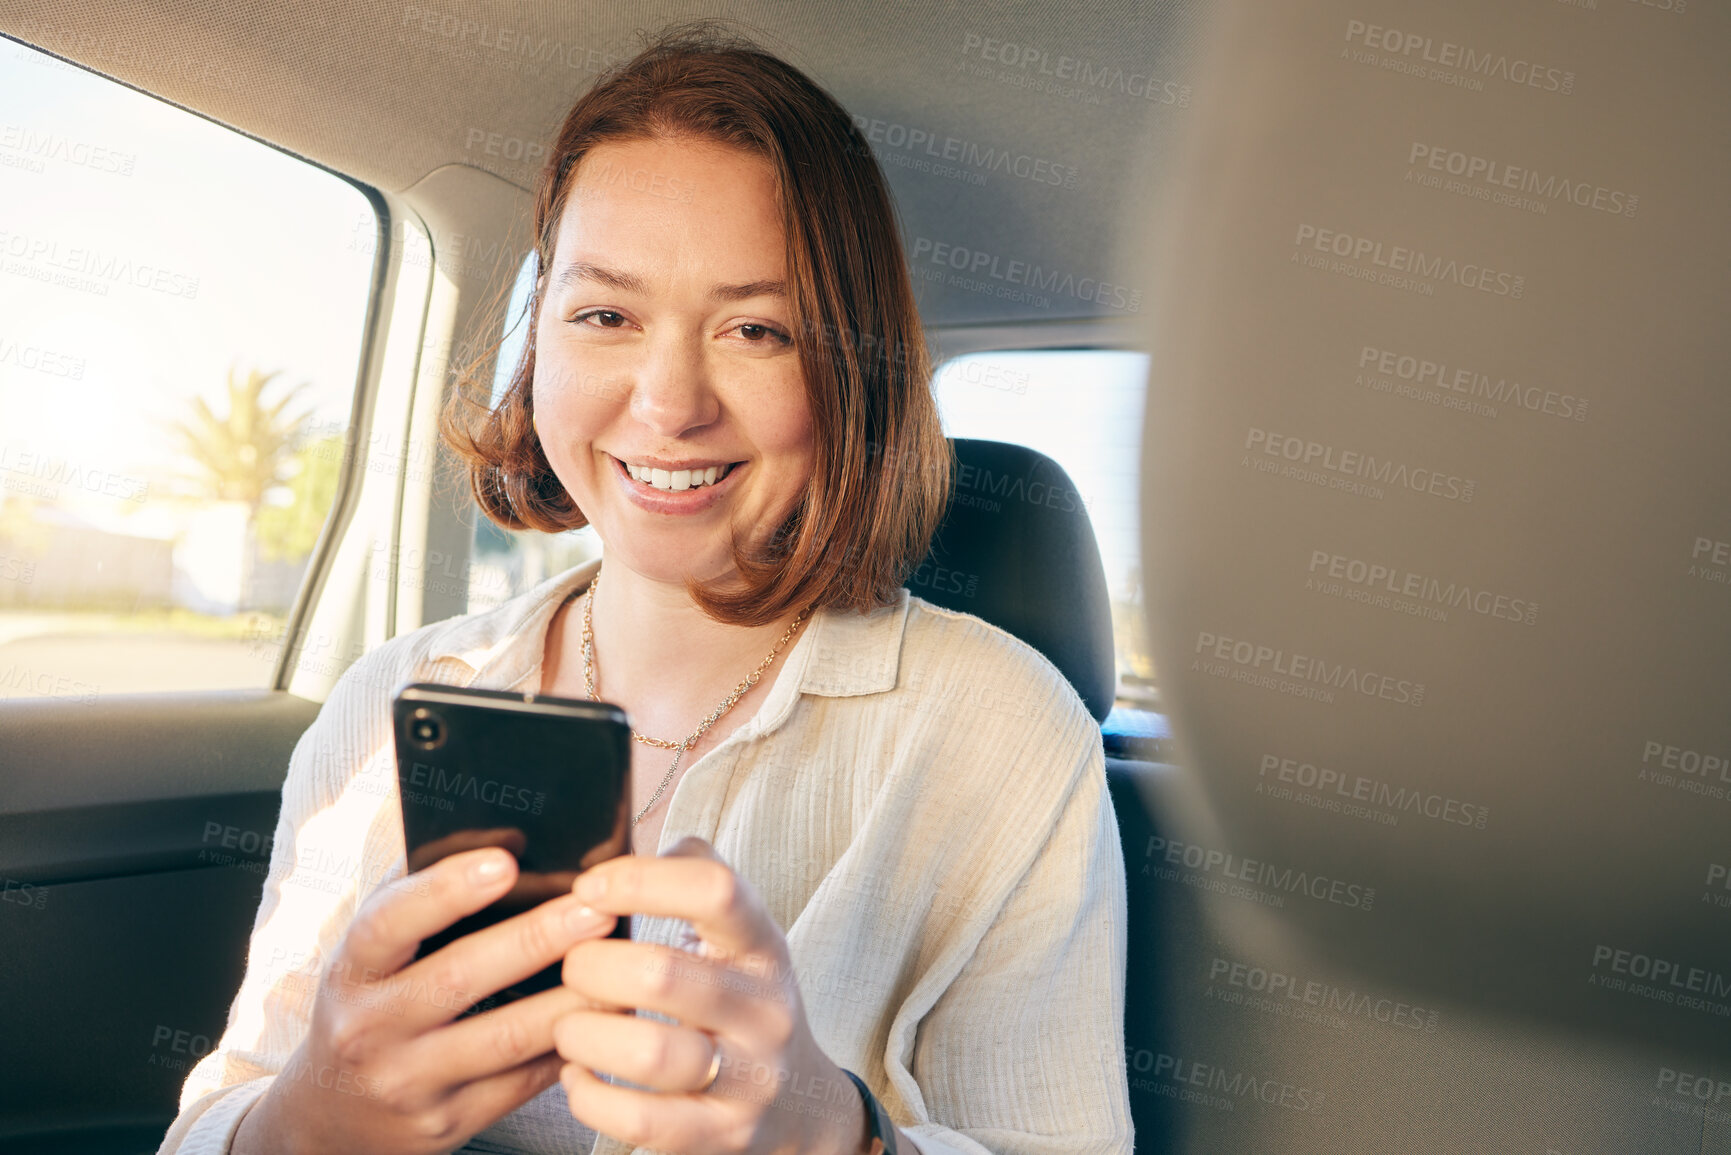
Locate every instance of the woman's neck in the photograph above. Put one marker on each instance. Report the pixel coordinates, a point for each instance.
(661, 657)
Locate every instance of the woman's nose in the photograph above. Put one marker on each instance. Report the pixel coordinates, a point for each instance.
(671, 393)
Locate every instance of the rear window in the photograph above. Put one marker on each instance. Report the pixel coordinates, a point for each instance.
(1083, 409)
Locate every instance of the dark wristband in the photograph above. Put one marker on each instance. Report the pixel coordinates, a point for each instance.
(880, 1128)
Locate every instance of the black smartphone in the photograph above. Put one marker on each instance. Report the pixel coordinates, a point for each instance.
(546, 778)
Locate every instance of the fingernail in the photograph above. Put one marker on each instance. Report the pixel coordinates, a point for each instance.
(583, 919)
(489, 869)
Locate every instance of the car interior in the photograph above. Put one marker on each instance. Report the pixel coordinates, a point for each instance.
(1339, 398)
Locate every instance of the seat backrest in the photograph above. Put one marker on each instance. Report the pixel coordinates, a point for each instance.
(1017, 549)
(1437, 536)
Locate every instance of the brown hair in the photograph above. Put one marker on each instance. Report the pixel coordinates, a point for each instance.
(882, 466)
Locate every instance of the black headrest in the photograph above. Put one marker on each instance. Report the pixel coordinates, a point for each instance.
(1016, 548)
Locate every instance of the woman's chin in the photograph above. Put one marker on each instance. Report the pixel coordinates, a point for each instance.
(672, 566)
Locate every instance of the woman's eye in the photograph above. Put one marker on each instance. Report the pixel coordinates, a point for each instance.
(609, 318)
(758, 334)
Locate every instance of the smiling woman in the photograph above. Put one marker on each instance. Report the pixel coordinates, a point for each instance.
(730, 386)
(781, 195)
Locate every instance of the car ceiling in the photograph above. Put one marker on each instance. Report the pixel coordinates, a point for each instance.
(390, 93)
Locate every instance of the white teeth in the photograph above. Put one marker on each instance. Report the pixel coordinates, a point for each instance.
(676, 480)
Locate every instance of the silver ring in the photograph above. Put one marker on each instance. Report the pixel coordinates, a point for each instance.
(714, 1065)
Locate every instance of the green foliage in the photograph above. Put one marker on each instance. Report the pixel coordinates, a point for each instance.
(289, 532)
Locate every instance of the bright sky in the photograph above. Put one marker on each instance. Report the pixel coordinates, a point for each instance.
(113, 188)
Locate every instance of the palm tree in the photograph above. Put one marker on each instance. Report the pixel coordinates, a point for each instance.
(242, 453)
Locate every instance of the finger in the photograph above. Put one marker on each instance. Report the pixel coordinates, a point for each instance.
(438, 988)
(394, 920)
(658, 1121)
(696, 991)
(497, 1040)
(651, 1054)
(485, 1101)
(723, 908)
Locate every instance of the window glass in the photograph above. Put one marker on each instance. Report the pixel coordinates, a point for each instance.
(1083, 409)
(180, 326)
(507, 562)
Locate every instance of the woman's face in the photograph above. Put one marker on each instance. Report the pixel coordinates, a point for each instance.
(667, 392)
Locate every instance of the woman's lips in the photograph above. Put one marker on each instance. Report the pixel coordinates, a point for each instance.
(646, 496)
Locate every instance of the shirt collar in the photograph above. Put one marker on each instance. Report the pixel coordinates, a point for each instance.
(840, 653)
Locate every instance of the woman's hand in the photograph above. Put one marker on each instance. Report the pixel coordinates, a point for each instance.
(384, 1068)
(776, 1090)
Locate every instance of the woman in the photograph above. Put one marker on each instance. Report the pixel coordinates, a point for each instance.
(862, 890)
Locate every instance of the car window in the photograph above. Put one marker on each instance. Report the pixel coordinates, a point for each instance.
(505, 562)
(181, 311)
(1083, 409)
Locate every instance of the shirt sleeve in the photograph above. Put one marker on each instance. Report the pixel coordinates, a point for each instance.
(340, 781)
(1023, 1053)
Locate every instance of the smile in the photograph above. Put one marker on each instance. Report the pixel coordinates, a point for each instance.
(657, 488)
(675, 480)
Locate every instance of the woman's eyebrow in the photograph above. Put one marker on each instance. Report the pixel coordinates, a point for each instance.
(631, 283)
(748, 290)
(612, 278)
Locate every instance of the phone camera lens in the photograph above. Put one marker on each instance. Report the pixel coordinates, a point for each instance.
(426, 729)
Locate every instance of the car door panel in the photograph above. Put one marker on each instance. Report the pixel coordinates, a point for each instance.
(134, 840)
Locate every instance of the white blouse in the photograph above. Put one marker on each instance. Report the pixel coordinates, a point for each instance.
(921, 801)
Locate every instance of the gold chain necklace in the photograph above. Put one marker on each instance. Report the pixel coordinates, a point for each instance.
(715, 715)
